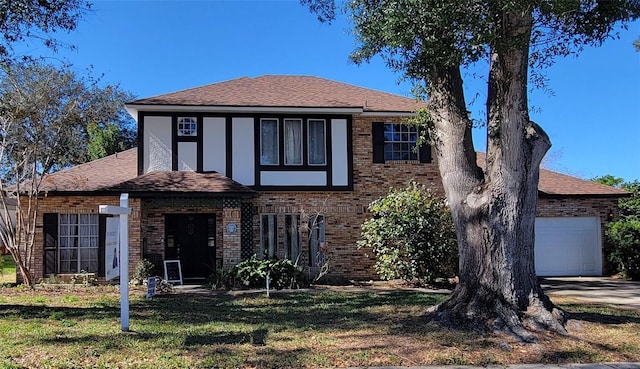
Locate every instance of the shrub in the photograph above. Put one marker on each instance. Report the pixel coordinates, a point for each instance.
(623, 241)
(412, 235)
(144, 270)
(252, 273)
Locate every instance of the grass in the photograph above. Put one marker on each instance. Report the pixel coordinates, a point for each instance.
(7, 270)
(76, 327)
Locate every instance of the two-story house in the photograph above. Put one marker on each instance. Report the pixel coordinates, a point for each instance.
(277, 166)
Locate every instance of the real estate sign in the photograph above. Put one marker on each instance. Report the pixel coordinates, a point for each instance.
(112, 255)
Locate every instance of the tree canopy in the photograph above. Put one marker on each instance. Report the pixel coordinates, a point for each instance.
(50, 110)
(416, 37)
(28, 20)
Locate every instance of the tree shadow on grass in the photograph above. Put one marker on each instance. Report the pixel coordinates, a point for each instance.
(58, 312)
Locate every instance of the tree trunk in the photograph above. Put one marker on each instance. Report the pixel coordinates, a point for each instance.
(494, 211)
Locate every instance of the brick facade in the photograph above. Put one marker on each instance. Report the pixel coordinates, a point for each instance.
(85, 205)
(344, 212)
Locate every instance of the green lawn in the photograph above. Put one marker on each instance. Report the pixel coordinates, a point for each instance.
(7, 270)
(78, 327)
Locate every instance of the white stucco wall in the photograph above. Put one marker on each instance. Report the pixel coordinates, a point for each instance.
(187, 156)
(339, 159)
(157, 144)
(243, 156)
(293, 178)
(214, 151)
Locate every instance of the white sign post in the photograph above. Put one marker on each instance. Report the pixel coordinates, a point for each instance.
(123, 212)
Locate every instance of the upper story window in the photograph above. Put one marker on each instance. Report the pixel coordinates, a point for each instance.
(293, 142)
(187, 126)
(303, 142)
(400, 142)
(317, 142)
(269, 148)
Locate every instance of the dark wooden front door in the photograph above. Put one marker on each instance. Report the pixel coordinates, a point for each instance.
(190, 238)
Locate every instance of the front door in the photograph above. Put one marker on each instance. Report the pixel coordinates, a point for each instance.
(190, 238)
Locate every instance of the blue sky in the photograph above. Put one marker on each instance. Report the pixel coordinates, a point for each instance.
(156, 47)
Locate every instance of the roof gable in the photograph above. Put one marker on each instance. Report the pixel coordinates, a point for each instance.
(272, 91)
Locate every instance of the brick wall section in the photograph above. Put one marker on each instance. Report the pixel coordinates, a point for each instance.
(230, 241)
(346, 211)
(84, 205)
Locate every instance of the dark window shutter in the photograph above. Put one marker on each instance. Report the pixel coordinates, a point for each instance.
(424, 150)
(102, 235)
(377, 133)
(50, 230)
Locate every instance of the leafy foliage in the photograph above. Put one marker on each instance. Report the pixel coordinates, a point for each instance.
(252, 273)
(608, 180)
(25, 20)
(623, 236)
(53, 114)
(622, 242)
(630, 206)
(412, 236)
(417, 37)
(144, 270)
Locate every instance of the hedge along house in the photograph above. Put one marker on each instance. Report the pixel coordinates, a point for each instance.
(276, 166)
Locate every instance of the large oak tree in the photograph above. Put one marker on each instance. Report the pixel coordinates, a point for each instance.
(494, 205)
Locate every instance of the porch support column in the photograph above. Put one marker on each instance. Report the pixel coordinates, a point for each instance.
(230, 237)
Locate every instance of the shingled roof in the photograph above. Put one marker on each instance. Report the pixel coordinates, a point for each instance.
(185, 182)
(118, 173)
(554, 184)
(97, 175)
(273, 91)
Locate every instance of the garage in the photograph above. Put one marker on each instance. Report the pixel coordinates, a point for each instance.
(568, 246)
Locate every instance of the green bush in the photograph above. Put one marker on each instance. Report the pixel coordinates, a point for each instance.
(144, 270)
(252, 273)
(412, 235)
(623, 241)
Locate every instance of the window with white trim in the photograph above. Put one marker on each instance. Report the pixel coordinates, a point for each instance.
(400, 142)
(293, 142)
(187, 126)
(78, 243)
(268, 236)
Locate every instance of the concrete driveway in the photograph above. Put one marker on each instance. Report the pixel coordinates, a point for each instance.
(595, 289)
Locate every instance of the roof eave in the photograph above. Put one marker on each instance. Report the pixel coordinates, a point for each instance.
(546, 195)
(388, 114)
(147, 194)
(133, 109)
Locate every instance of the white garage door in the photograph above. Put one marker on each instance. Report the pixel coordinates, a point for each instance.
(568, 246)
